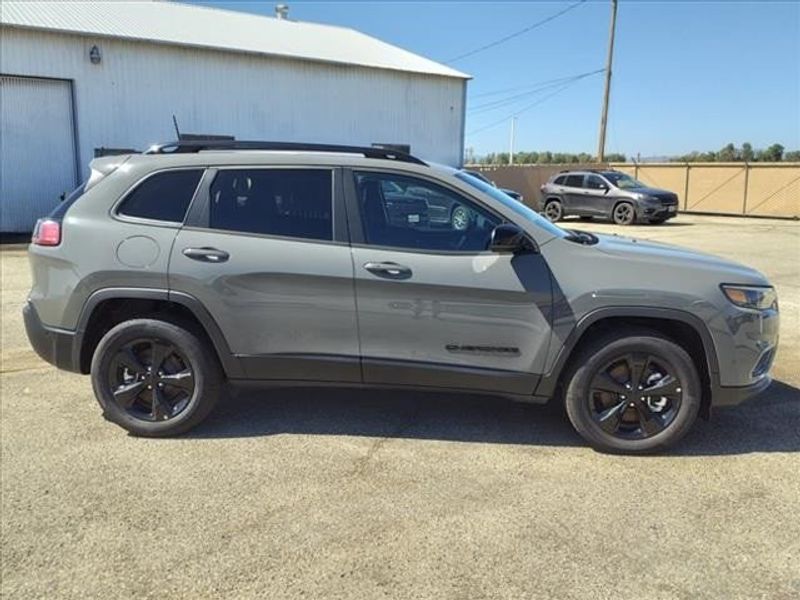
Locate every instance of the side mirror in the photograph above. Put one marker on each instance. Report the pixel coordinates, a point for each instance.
(508, 237)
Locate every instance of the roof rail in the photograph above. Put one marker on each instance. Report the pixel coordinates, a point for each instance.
(190, 146)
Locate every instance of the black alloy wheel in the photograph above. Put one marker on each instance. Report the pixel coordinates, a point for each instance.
(151, 379)
(155, 376)
(635, 396)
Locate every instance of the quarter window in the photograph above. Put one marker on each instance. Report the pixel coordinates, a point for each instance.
(287, 202)
(163, 196)
(405, 212)
(560, 180)
(574, 181)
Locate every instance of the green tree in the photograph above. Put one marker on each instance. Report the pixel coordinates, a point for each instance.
(792, 156)
(728, 154)
(772, 154)
(747, 152)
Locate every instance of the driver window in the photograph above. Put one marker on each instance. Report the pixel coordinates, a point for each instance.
(406, 212)
(594, 182)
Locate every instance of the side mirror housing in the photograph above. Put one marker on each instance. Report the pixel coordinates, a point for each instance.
(508, 237)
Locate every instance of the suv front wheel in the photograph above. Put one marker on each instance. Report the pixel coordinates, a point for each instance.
(155, 378)
(633, 392)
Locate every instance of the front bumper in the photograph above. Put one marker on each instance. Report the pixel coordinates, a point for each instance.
(56, 346)
(659, 211)
(731, 396)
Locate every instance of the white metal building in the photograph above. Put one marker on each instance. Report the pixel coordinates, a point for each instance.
(75, 77)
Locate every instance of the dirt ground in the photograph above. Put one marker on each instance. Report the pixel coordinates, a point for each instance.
(344, 494)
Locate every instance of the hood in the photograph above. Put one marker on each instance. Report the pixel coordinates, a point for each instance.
(651, 191)
(667, 255)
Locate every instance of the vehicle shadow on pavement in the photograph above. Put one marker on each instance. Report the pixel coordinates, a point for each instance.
(768, 423)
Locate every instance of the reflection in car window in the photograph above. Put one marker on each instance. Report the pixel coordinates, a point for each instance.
(288, 202)
(595, 182)
(518, 207)
(406, 212)
(623, 181)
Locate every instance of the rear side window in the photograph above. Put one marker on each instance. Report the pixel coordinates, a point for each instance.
(287, 202)
(574, 181)
(163, 196)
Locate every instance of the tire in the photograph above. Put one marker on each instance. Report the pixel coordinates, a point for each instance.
(553, 210)
(604, 410)
(460, 218)
(624, 214)
(176, 393)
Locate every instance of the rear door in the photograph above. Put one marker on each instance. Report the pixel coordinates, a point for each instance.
(435, 308)
(265, 250)
(574, 194)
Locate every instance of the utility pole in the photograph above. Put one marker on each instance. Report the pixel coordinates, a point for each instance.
(511, 144)
(601, 144)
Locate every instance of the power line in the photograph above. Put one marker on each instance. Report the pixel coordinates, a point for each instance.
(500, 103)
(516, 33)
(563, 87)
(521, 87)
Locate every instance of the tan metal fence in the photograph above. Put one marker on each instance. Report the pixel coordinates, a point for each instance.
(753, 189)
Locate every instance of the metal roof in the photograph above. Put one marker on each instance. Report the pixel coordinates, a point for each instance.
(201, 26)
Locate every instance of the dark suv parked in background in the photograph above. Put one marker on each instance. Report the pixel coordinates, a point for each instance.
(609, 194)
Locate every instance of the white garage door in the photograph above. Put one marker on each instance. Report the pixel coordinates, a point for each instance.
(37, 149)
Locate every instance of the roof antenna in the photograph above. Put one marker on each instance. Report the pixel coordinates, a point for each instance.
(177, 131)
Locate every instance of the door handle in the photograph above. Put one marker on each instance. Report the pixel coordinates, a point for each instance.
(388, 270)
(211, 255)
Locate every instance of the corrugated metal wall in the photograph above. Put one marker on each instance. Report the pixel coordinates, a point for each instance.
(37, 149)
(129, 98)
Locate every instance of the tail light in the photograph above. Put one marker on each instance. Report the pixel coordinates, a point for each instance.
(47, 233)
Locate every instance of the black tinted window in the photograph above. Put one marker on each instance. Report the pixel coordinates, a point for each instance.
(560, 180)
(405, 212)
(574, 181)
(163, 196)
(289, 202)
(595, 182)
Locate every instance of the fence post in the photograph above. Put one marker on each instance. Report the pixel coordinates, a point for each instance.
(746, 185)
(686, 187)
(636, 169)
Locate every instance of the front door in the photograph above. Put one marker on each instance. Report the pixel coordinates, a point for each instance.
(265, 250)
(598, 200)
(435, 308)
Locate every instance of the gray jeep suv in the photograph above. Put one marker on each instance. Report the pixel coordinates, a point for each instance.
(172, 272)
(608, 194)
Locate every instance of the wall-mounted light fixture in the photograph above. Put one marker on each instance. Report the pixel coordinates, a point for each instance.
(95, 56)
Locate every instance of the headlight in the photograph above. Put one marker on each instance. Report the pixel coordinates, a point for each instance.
(749, 296)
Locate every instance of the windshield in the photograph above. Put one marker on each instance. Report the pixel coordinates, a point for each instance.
(623, 181)
(518, 207)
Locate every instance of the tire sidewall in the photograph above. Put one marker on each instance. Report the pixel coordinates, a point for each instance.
(560, 210)
(614, 213)
(600, 354)
(203, 368)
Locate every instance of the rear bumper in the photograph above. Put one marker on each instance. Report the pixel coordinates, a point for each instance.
(56, 346)
(731, 396)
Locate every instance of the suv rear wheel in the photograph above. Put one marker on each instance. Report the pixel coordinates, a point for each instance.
(634, 392)
(553, 210)
(155, 378)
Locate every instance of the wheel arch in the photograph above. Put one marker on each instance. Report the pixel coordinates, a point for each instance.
(110, 306)
(682, 327)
